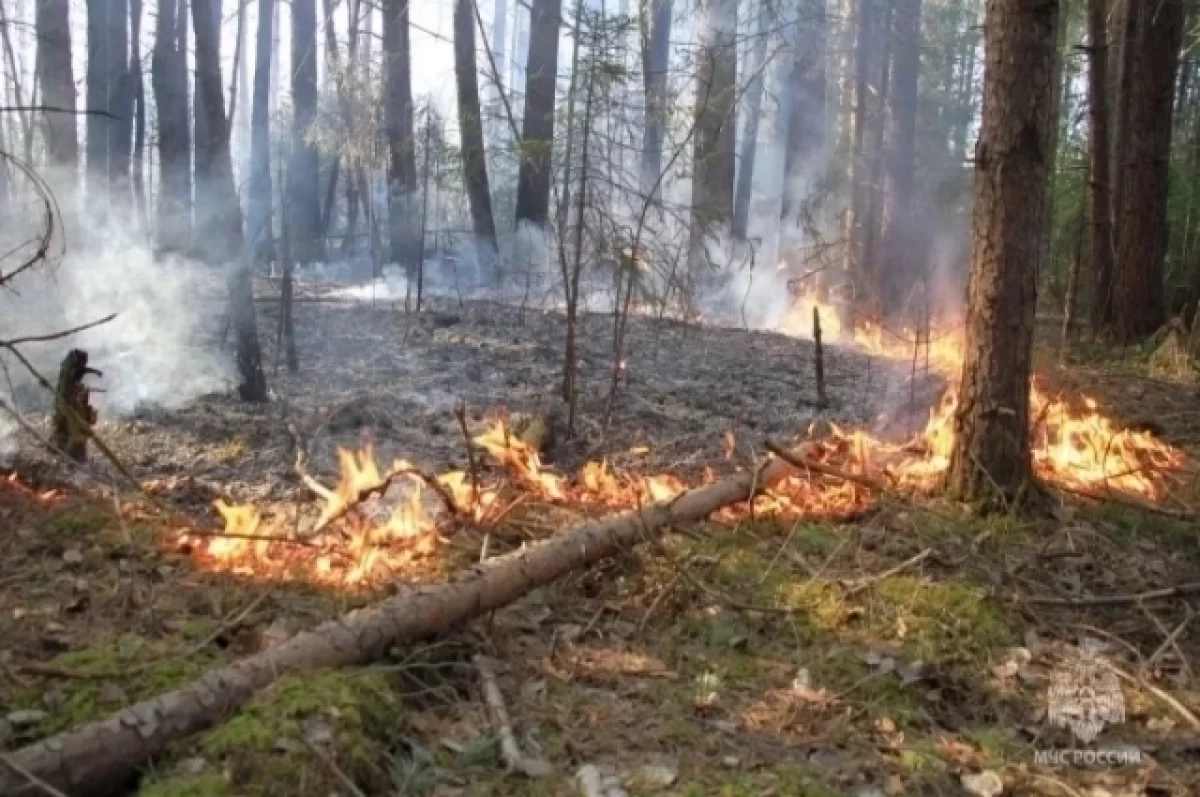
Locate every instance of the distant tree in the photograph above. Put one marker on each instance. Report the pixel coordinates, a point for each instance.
(475, 175)
(398, 123)
(120, 99)
(713, 151)
(1100, 159)
(169, 82)
(303, 201)
(656, 53)
(804, 104)
(991, 423)
(754, 96)
(99, 76)
(1138, 302)
(219, 211)
(259, 230)
(54, 73)
(537, 133)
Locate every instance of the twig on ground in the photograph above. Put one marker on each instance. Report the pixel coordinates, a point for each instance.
(1129, 501)
(332, 766)
(1171, 641)
(1116, 600)
(29, 776)
(1163, 695)
(858, 587)
(510, 751)
(460, 413)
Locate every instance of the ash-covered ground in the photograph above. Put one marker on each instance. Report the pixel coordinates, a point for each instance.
(369, 371)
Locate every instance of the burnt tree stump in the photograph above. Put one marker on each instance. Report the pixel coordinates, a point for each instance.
(74, 415)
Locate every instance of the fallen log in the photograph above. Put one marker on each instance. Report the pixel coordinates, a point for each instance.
(101, 757)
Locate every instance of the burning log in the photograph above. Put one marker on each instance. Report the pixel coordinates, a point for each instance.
(98, 757)
(74, 415)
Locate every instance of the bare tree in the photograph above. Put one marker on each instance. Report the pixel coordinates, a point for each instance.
(168, 80)
(54, 72)
(304, 182)
(991, 446)
(259, 232)
(537, 133)
(398, 121)
(1100, 187)
(804, 104)
(656, 52)
(470, 117)
(219, 215)
(753, 99)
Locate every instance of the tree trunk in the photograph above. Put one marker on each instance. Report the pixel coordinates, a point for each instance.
(537, 130)
(98, 757)
(139, 110)
(1138, 305)
(876, 149)
(806, 114)
(900, 254)
(304, 179)
(259, 231)
(168, 80)
(1012, 160)
(713, 152)
(120, 101)
(470, 129)
(1100, 187)
(199, 112)
(853, 228)
(754, 92)
(99, 74)
(402, 156)
(217, 206)
(58, 86)
(656, 56)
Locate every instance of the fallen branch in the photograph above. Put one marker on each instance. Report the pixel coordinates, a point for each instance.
(95, 758)
(858, 587)
(510, 751)
(803, 463)
(1130, 501)
(1161, 694)
(1116, 600)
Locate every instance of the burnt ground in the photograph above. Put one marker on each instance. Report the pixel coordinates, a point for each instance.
(747, 655)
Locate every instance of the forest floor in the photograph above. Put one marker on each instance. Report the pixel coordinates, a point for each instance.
(905, 652)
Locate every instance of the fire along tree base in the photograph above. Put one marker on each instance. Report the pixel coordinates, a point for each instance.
(97, 758)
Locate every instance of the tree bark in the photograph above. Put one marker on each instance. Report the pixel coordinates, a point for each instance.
(1138, 302)
(259, 231)
(137, 82)
(53, 64)
(199, 112)
(470, 129)
(805, 117)
(900, 258)
(656, 54)
(168, 80)
(713, 151)
(99, 74)
(398, 120)
(120, 102)
(1100, 157)
(95, 758)
(304, 180)
(218, 207)
(991, 423)
(754, 93)
(854, 228)
(537, 127)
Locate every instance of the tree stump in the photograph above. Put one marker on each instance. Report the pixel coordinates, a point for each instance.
(74, 415)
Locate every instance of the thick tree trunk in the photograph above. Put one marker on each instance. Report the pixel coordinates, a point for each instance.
(900, 254)
(1138, 305)
(398, 120)
(168, 80)
(1100, 187)
(713, 151)
(475, 175)
(880, 89)
(217, 206)
(853, 227)
(57, 79)
(754, 93)
(97, 757)
(304, 180)
(1012, 160)
(120, 102)
(537, 130)
(656, 54)
(199, 111)
(259, 232)
(806, 114)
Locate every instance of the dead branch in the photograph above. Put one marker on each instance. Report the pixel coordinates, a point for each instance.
(803, 463)
(1117, 600)
(460, 413)
(858, 587)
(8, 344)
(1161, 694)
(94, 758)
(510, 751)
(1130, 501)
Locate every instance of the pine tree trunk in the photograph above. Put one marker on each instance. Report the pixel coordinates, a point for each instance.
(713, 153)
(754, 94)
(53, 64)
(139, 110)
(853, 227)
(470, 129)
(402, 156)
(1100, 158)
(655, 65)
(1138, 302)
(537, 129)
(168, 80)
(199, 112)
(259, 230)
(120, 102)
(218, 214)
(304, 179)
(871, 227)
(1012, 161)
(900, 253)
(806, 115)
(99, 74)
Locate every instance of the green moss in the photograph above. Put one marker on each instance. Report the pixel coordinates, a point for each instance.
(72, 523)
(845, 672)
(359, 706)
(819, 605)
(206, 784)
(938, 621)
